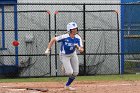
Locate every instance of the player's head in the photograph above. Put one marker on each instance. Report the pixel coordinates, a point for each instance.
(71, 26)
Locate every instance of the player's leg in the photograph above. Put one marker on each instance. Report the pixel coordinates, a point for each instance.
(68, 70)
(67, 65)
(75, 66)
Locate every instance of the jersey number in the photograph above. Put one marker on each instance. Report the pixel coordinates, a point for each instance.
(71, 48)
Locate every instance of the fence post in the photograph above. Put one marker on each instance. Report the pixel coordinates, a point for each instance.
(84, 33)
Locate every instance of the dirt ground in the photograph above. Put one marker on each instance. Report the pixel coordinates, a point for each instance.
(81, 87)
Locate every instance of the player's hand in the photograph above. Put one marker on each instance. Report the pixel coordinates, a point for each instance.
(47, 52)
(80, 49)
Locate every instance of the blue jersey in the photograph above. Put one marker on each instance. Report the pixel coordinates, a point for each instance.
(67, 43)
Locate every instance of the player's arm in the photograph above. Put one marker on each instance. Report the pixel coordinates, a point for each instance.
(81, 49)
(53, 40)
(79, 46)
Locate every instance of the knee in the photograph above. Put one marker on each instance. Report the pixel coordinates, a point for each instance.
(75, 74)
(69, 73)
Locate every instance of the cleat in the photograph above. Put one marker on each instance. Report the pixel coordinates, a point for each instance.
(69, 88)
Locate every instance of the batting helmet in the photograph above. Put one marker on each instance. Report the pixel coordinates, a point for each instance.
(71, 25)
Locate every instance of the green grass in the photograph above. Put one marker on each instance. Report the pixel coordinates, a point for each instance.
(111, 77)
(79, 78)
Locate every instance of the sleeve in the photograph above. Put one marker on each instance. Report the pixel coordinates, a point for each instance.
(60, 38)
(80, 43)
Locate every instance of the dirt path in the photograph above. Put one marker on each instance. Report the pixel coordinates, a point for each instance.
(81, 86)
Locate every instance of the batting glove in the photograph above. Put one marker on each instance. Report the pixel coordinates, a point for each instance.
(76, 45)
(47, 52)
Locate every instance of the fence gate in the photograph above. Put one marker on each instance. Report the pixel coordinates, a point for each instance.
(34, 35)
(96, 29)
(32, 30)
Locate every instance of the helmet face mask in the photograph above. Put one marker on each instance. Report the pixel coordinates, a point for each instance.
(71, 25)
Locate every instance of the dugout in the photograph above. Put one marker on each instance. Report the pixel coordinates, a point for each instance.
(7, 67)
(131, 36)
(132, 24)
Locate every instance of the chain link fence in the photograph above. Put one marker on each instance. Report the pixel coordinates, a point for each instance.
(99, 25)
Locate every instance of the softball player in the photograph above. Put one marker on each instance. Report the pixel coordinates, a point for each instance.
(69, 42)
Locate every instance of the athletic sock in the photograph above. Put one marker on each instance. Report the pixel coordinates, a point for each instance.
(70, 80)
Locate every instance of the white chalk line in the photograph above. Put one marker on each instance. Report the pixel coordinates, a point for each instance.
(111, 85)
(107, 85)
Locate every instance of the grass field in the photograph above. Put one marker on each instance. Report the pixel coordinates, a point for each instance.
(79, 78)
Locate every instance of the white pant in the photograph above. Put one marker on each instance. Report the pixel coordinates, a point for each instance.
(70, 63)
